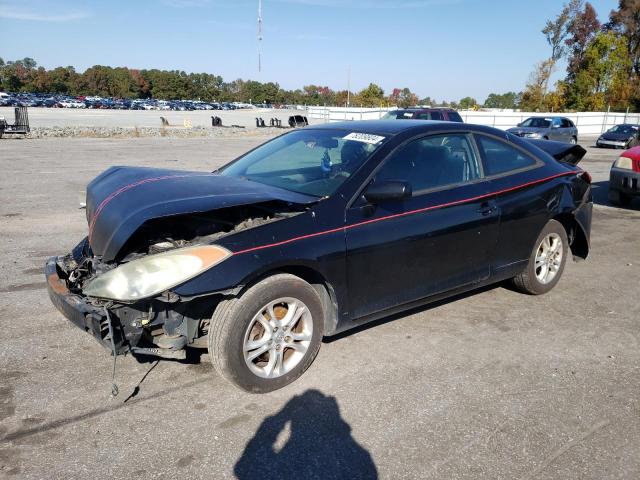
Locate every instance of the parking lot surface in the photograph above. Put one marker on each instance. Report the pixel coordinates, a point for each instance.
(494, 384)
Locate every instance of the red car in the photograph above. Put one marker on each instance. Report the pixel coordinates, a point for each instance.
(624, 179)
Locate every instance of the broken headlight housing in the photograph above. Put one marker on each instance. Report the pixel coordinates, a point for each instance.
(154, 274)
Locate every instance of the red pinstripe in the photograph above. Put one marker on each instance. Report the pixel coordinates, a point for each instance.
(403, 214)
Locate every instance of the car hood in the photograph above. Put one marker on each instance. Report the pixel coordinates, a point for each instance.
(122, 199)
(616, 137)
(522, 130)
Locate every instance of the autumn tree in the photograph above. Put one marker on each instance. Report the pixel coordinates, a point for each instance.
(581, 30)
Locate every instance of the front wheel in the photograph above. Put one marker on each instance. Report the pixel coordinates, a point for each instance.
(268, 336)
(546, 262)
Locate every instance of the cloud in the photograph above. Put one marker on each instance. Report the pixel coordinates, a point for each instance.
(8, 10)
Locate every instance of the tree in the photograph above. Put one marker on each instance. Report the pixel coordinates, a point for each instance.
(581, 30)
(626, 20)
(556, 32)
(505, 100)
(467, 103)
(603, 77)
(533, 95)
(372, 96)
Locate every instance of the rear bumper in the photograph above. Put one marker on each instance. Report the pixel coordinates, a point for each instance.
(625, 181)
(77, 310)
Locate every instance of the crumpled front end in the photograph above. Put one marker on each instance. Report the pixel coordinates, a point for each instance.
(157, 326)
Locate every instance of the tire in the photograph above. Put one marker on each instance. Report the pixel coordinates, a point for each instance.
(241, 323)
(573, 141)
(619, 199)
(533, 279)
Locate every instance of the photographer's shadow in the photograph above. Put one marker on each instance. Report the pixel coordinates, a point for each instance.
(320, 444)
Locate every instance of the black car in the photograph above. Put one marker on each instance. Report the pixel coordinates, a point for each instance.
(621, 136)
(315, 232)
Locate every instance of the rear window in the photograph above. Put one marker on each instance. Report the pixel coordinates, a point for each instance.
(500, 157)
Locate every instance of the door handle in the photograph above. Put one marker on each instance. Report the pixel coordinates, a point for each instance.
(487, 208)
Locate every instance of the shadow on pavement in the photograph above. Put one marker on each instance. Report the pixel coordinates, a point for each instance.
(319, 444)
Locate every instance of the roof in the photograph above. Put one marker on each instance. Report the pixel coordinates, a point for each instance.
(391, 127)
(394, 127)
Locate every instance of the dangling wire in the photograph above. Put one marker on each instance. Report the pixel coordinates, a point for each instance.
(114, 387)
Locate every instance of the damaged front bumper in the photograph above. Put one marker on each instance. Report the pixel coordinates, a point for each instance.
(89, 317)
(160, 327)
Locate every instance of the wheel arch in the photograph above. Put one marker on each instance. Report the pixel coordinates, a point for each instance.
(575, 233)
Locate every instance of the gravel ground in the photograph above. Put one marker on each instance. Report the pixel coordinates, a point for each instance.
(493, 384)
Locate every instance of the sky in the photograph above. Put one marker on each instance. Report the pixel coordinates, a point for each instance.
(445, 49)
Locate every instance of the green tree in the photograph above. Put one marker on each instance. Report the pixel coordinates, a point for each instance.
(372, 96)
(603, 77)
(505, 100)
(467, 103)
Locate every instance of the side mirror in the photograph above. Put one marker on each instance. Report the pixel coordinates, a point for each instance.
(387, 190)
(555, 125)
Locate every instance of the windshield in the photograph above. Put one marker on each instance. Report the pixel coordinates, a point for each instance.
(628, 129)
(536, 122)
(308, 161)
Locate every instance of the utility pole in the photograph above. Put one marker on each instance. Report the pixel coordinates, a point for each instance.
(259, 36)
(348, 86)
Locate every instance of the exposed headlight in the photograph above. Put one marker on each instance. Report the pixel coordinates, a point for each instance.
(623, 162)
(532, 135)
(154, 274)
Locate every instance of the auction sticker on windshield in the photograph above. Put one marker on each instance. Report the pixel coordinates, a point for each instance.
(364, 138)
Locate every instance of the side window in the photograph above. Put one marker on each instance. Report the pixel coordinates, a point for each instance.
(566, 123)
(432, 162)
(557, 122)
(500, 157)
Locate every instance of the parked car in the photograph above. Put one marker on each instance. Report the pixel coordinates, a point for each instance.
(624, 178)
(621, 136)
(315, 232)
(560, 129)
(442, 114)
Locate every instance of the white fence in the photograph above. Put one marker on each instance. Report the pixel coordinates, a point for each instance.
(588, 123)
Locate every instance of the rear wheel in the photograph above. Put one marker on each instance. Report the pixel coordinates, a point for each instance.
(546, 262)
(573, 141)
(267, 337)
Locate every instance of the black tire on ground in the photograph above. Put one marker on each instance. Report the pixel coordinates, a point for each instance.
(231, 320)
(527, 281)
(574, 140)
(619, 199)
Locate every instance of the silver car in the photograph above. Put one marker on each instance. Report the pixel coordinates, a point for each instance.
(560, 129)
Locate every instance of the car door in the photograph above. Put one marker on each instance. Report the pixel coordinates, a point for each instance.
(440, 238)
(557, 132)
(523, 211)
